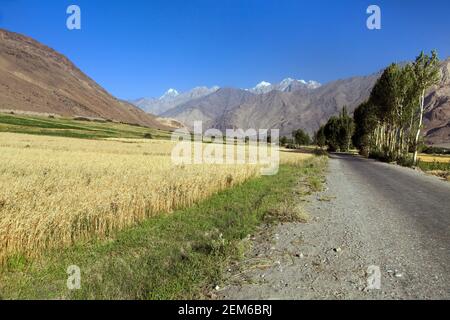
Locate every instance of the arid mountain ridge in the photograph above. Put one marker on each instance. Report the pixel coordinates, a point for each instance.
(36, 79)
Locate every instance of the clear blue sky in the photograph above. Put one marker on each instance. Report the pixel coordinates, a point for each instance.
(141, 48)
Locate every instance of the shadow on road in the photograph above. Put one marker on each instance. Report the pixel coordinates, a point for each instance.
(349, 157)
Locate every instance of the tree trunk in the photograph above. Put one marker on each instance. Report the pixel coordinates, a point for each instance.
(416, 142)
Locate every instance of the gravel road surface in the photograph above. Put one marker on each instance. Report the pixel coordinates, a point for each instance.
(372, 216)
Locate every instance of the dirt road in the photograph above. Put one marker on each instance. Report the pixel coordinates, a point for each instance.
(371, 214)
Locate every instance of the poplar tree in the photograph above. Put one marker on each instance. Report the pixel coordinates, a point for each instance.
(426, 74)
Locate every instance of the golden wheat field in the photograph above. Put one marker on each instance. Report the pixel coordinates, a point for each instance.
(432, 158)
(56, 191)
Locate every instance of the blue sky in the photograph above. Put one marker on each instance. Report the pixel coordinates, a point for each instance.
(141, 48)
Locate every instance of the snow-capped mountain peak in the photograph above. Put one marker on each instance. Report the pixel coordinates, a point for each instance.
(263, 84)
(290, 84)
(262, 87)
(286, 85)
(171, 93)
(314, 84)
(287, 81)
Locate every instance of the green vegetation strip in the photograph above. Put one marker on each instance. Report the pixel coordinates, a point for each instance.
(65, 127)
(174, 256)
(431, 166)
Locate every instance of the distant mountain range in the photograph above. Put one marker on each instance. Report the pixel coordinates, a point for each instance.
(36, 79)
(294, 104)
(172, 98)
(287, 106)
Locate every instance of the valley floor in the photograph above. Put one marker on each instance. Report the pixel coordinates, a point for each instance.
(371, 214)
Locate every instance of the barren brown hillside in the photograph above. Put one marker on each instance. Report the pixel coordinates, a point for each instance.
(437, 117)
(36, 78)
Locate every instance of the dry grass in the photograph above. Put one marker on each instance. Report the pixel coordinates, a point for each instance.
(58, 191)
(287, 212)
(441, 174)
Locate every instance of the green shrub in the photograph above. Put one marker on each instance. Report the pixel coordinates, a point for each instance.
(406, 161)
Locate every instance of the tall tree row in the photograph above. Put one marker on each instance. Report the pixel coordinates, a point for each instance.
(389, 124)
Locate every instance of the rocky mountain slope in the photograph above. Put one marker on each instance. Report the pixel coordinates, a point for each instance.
(437, 116)
(35, 78)
(209, 109)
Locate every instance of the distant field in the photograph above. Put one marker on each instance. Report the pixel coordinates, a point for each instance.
(434, 158)
(436, 165)
(55, 191)
(65, 127)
